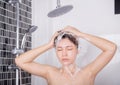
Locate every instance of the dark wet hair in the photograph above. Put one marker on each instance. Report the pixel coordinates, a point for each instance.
(72, 38)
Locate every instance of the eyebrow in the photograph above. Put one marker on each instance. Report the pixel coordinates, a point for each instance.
(66, 46)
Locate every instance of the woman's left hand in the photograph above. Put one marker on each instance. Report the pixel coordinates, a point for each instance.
(72, 30)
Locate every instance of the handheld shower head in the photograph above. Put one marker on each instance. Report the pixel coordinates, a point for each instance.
(60, 10)
(21, 50)
(30, 30)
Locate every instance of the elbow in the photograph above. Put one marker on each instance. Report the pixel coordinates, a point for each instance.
(113, 48)
(18, 62)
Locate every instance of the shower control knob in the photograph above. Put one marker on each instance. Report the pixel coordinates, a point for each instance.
(12, 67)
(13, 2)
(17, 51)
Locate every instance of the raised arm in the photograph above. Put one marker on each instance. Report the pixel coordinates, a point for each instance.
(25, 60)
(108, 49)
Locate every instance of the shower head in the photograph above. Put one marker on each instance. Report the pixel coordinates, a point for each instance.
(31, 29)
(60, 10)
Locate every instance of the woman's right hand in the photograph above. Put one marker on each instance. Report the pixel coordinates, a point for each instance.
(51, 42)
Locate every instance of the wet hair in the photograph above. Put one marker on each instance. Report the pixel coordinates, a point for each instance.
(69, 36)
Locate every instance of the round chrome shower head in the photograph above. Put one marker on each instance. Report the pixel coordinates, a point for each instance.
(31, 29)
(60, 11)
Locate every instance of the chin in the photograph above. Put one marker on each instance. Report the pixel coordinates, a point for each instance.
(66, 63)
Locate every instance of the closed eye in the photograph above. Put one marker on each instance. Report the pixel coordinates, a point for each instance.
(69, 48)
(59, 49)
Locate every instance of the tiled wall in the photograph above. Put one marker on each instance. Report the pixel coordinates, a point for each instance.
(8, 39)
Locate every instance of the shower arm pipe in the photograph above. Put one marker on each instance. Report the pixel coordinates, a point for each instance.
(17, 41)
(17, 28)
(58, 3)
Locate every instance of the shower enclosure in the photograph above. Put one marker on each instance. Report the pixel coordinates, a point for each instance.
(15, 19)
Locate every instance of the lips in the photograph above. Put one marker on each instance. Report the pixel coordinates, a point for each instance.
(65, 59)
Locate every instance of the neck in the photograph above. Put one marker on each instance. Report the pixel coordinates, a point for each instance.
(70, 69)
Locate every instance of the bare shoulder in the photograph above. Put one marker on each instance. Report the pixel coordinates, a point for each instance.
(52, 70)
(86, 71)
(52, 73)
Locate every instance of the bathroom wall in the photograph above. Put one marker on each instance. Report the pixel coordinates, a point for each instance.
(43, 33)
(8, 40)
(91, 16)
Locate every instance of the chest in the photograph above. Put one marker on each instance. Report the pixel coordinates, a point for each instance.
(79, 79)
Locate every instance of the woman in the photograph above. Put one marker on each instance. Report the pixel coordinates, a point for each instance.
(66, 45)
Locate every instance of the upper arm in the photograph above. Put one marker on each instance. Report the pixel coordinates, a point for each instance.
(36, 68)
(100, 62)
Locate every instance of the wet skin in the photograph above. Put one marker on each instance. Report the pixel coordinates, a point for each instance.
(68, 74)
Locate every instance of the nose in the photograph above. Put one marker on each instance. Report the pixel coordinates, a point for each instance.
(64, 52)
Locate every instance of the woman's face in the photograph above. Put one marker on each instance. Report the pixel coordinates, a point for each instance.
(66, 52)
